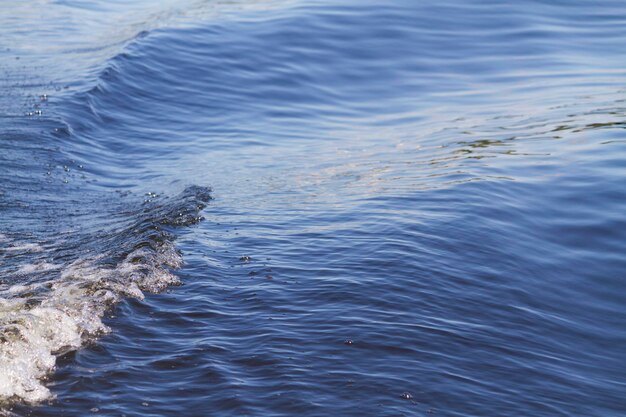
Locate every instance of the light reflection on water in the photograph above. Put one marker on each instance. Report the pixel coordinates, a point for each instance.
(422, 198)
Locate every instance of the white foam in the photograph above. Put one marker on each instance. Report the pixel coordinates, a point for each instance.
(68, 312)
(37, 267)
(26, 247)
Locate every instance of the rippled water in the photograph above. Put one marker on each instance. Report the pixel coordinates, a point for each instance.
(374, 208)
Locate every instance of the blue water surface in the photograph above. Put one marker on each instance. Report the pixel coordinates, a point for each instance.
(418, 206)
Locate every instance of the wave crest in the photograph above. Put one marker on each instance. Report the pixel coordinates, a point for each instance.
(41, 320)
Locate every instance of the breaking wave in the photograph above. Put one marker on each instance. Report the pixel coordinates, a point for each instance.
(64, 307)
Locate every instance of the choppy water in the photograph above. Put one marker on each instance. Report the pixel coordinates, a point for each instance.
(410, 208)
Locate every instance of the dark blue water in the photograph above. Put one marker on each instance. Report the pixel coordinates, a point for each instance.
(313, 208)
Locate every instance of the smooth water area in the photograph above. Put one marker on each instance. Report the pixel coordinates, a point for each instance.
(312, 208)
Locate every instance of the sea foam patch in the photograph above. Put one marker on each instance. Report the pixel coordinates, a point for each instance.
(41, 320)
